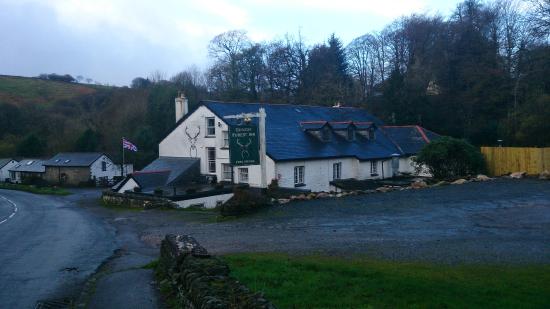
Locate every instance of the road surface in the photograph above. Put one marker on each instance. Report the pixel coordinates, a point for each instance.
(49, 248)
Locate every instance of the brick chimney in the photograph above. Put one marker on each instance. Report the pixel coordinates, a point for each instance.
(182, 106)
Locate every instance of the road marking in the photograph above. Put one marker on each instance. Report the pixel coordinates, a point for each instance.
(14, 209)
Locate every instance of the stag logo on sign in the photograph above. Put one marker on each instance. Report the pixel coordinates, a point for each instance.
(244, 145)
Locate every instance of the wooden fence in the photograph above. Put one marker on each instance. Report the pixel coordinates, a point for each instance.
(505, 160)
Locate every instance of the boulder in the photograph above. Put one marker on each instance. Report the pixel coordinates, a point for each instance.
(459, 181)
(322, 195)
(301, 197)
(545, 175)
(441, 183)
(283, 200)
(482, 177)
(419, 184)
(383, 189)
(518, 175)
(311, 196)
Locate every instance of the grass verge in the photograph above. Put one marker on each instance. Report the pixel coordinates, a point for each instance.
(35, 189)
(328, 282)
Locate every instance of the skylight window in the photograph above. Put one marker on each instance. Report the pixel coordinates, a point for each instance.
(67, 161)
(30, 162)
(57, 160)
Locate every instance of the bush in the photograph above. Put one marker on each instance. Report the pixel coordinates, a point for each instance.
(449, 157)
(243, 202)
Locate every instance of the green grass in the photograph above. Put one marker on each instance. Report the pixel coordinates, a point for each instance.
(326, 282)
(20, 89)
(35, 189)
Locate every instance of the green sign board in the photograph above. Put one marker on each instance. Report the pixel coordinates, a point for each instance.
(244, 145)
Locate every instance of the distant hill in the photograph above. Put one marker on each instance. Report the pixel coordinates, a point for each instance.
(60, 113)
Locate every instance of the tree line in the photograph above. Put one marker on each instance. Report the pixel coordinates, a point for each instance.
(481, 73)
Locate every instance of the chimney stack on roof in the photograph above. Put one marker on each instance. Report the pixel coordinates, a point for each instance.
(182, 106)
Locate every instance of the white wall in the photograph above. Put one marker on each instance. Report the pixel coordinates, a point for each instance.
(178, 144)
(97, 172)
(128, 186)
(208, 201)
(4, 171)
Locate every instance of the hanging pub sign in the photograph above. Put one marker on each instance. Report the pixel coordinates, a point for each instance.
(244, 145)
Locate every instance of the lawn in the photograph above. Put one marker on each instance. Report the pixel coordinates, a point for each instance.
(328, 282)
(35, 189)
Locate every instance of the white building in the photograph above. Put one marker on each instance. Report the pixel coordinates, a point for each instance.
(307, 146)
(5, 166)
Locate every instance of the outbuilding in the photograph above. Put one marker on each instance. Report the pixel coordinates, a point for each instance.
(76, 168)
(5, 165)
(27, 170)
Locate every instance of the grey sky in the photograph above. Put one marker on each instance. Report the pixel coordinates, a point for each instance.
(113, 41)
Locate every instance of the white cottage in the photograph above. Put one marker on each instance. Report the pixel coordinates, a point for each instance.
(307, 146)
(5, 166)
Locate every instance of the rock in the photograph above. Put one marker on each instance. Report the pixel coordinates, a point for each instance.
(545, 175)
(482, 177)
(311, 196)
(383, 189)
(518, 175)
(459, 181)
(419, 185)
(283, 200)
(339, 195)
(322, 195)
(441, 183)
(301, 197)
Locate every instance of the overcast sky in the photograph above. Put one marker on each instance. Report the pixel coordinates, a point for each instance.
(113, 41)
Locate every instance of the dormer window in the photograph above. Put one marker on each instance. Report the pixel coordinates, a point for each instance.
(372, 136)
(325, 134)
(351, 133)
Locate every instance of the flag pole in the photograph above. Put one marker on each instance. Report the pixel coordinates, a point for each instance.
(122, 167)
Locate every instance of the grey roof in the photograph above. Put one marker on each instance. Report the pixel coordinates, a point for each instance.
(30, 166)
(4, 161)
(410, 138)
(176, 166)
(74, 159)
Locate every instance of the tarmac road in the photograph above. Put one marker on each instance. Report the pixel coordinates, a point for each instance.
(49, 248)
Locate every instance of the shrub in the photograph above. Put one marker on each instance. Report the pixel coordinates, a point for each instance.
(243, 202)
(449, 157)
(158, 191)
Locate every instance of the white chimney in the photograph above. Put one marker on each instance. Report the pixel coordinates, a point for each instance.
(182, 106)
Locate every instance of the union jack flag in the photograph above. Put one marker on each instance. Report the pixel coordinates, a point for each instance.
(128, 145)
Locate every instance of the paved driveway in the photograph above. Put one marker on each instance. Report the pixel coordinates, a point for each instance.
(497, 221)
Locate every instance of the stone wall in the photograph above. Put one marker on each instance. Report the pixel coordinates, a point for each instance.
(71, 176)
(135, 200)
(199, 280)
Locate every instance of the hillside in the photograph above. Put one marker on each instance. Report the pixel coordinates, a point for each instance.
(68, 116)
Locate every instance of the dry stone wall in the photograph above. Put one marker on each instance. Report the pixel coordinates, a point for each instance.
(200, 280)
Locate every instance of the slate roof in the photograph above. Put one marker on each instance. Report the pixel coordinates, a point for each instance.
(162, 172)
(73, 159)
(410, 139)
(29, 166)
(4, 161)
(286, 139)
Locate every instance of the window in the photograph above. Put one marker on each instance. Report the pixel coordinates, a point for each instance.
(243, 175)
(211, 157)
(374, 167)
(337, 170)
(225, 135)
(227, 174)
(372, 136)
(325, 134)
(351, 134)
(299, 175)
(210, 126)
(103, 166)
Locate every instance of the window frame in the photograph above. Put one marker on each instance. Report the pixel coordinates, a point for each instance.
(351, 134)
(210, 127)
(374, 168)
(103, 166)
(299, 175)
(336, 170)
(225, 139)
(224, 172)
(244, 171)
(211, 162)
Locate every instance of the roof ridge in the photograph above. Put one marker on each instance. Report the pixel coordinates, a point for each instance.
(421, 131)
(282, 104)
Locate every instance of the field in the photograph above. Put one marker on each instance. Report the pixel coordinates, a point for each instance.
(323, 282)
(21, 90)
